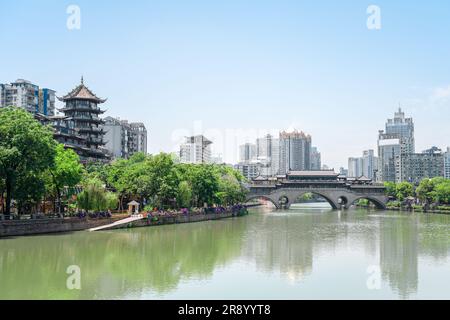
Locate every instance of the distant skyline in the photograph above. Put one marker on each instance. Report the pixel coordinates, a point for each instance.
(233, 66)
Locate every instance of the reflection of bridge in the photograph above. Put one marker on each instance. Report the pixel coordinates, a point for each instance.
(339, 191)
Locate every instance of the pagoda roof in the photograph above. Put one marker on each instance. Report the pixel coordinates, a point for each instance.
(81, 92)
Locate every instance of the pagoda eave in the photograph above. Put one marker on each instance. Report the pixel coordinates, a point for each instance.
(75, 109)
(96, 100)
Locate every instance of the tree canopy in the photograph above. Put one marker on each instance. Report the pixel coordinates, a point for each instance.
(27, 149)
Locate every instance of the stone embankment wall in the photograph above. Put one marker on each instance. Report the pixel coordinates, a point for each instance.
(9, 228)
(12, 228)
(174, 220)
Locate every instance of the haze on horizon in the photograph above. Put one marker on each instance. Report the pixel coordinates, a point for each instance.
(237, 69)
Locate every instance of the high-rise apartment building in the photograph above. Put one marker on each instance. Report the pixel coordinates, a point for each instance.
(316, 159)
(275, 157)
(414, 167)
(123, 139)
(26, 95)
(404, 128)
(363, 166)
(343, 172)
(447, 164)
(247, 152)
(264, 147)
(250, 170)
(396, 141)
(355, 167)
(139, 134)
(295, 152)
(196, 149)
(369, 164)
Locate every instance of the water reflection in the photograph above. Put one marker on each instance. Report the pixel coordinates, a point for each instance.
(116, 264)
(290, 242)
(399, 254)
(296, 245)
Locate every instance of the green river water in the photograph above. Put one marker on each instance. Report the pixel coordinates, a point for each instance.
(304, 253)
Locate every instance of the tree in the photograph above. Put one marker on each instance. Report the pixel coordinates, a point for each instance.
(442, 191)
(425, 190)
(25, 147)
(404, 190)
(184, 198)
(29, 190)
(205, 184)
(66, 172)
(391, 189)
(94, 196)
(158, 181)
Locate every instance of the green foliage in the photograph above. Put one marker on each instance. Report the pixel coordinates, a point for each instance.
(160, 182)
(404, 190)
(94, 196)
(34, 166)
(27, 149)
(442, 192)
(435, 190)
(184, 198)
(67, 171)
(391, 189)
(307, 197)
(97, 170)
(363, 202)
(394, 204)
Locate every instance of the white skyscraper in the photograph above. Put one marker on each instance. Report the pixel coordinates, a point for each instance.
(447, 163)
(196, 149)
(275, 158)
(295, 152)
(247, 152)
(355, 167)
(393, 143)
(369, 164)
(264, 147)
(316, 161)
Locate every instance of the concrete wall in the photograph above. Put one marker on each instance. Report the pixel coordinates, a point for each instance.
(174, 220)
(46, 226)
(30, 227)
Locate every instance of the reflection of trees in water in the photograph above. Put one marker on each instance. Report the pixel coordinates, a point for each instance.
(398, 254)
(288, 242)
(128, 263)
(275, 243)
(403, 239)
(114, 264)
(435, 236)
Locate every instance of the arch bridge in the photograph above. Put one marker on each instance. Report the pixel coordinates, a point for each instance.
(339, 191)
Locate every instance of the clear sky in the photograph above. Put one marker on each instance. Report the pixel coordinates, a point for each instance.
(238, 68)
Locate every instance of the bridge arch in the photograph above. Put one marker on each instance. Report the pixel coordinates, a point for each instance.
(379, 204)
(277, 205)
(327, 197)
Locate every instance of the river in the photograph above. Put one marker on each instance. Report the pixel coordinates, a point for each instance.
(309, 252)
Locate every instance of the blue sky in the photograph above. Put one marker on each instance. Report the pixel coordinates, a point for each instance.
(236, 68)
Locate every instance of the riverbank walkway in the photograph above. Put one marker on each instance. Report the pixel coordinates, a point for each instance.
(118, 223)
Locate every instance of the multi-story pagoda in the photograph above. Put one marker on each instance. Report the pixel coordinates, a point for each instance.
(81, 128)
